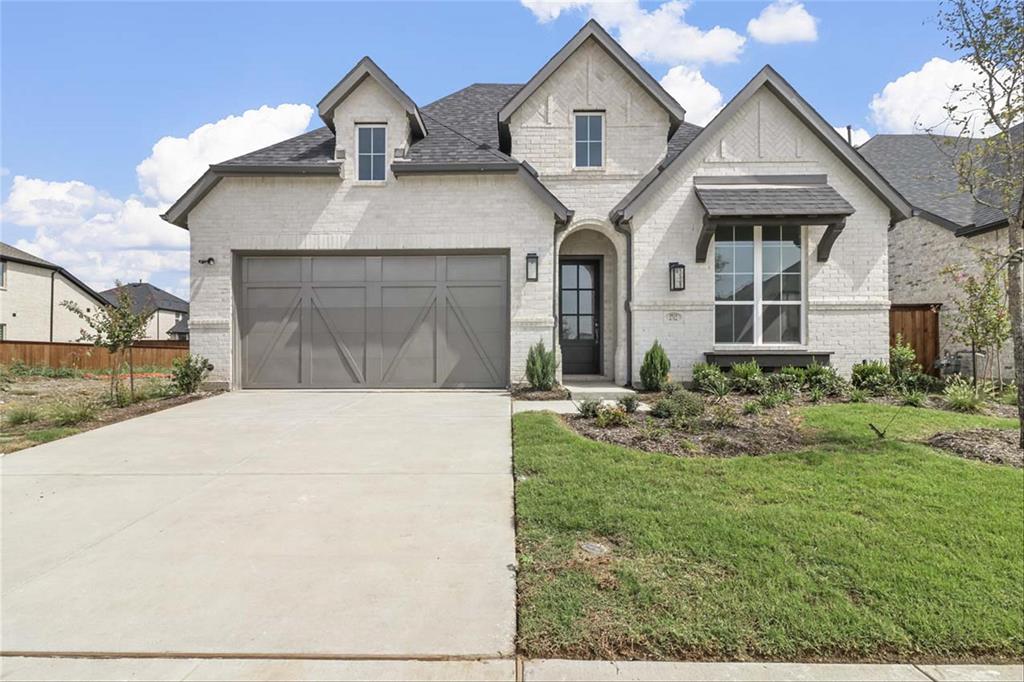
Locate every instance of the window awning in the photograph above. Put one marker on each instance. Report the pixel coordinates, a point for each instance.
(785, 200)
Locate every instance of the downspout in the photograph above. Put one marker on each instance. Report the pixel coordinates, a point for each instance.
(624, 228)
(53, 273)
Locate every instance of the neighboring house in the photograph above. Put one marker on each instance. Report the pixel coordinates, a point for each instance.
(948, 226)
(430, 246)
(31, 293)
(170, 316)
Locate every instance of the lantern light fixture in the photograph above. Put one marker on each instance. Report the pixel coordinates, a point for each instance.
(532, 267)
(676, 276)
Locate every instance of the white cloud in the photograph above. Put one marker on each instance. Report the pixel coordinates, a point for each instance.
(661, 35)
(100, 238)
(859, 135)
(915, 101)
(701, 99)
(176, 162)
(784, 21)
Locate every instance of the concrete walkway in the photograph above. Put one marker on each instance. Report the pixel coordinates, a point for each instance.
(490, 670)
(271, 524)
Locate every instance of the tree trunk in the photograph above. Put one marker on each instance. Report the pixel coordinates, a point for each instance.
(131, 373)
(1017, 312)
(113, 377)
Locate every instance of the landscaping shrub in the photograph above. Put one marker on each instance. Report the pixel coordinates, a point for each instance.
(826, 378)
(772, 399)
(21, 414)
(655, 368)
(902, 360)
(746, 377)
(682, 403)
(73, 412)
(673, 387)
(781, 381)
(816, 395)
(913, 398)
(629, 403)
(540, 367)
(188, 373)
(799, 373)
(705, 376)
(873, 377)
(723, 416)
(664, 408)
(961, 396)
(752, 407)
(858, 395)
(589, 407)
(611, 415)
(719, 387)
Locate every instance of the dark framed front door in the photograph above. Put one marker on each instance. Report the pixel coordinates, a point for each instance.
(579, 323)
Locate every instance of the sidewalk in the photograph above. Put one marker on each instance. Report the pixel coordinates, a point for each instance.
(498, 669)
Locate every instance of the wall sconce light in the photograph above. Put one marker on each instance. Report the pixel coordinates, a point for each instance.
(207, 261)
(532, 267)
(676, 276)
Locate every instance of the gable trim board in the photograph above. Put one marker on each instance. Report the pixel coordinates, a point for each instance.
(366, 68)
(769, 78)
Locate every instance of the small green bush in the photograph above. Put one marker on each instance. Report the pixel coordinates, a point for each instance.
(858, 395)
(21, 414)
(747, 377)
(826, 378)
(655, 368)
(873, 377)
(672, 387)
(73, 412)
(902, 360)
(798, 373)
(781, 381)
(816, 395)
(682, 403)
(961, 396)
(775, 398)
(723, 416)
(189, 372)
(664, 408)
(913, 398)
(540, 367)
(589, 407)
(752, 407)
(630, 403)
(706, 376)
(611, 415)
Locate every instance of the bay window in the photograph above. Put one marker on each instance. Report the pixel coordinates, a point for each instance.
(759, 284)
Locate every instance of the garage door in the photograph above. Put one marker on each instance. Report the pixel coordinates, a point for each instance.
(396, 321)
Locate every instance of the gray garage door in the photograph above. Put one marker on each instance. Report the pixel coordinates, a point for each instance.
(399, 321)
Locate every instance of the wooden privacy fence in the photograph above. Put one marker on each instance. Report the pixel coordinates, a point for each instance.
(87, 356)
(918, 325)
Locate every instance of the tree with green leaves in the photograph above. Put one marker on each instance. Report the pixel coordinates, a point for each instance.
(116, 328)
(989, 36)
(980, 318)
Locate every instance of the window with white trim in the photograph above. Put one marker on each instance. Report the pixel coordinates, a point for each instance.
(759, 284)
(3, 274)
(589, 140)
(370, 155)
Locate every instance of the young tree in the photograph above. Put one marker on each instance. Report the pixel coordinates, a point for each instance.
(981, 319)
(989, 35)
(116, 328)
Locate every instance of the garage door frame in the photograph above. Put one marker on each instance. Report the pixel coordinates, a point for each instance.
(238, 289)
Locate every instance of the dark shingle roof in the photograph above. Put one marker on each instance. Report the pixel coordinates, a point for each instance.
(723, 202)
(315, 148)
(681, 139)
(463, 126)
(9, 252)
(145, 296)
(179, 327)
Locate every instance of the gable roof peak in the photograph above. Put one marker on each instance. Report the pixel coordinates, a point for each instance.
(367, 68)
(592, 30)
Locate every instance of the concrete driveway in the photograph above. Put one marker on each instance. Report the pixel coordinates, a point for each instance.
(271, 524)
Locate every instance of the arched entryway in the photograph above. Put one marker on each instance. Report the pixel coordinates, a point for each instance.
(588, 303)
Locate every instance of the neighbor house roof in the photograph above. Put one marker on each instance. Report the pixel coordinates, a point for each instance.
(179, 327)
(146, 297)
(922, 168)
(769, 78)
(8, 252)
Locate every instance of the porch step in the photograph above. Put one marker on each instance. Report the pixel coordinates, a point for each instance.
(601, 389)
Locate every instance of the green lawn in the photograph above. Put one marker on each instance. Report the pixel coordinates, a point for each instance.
(856, 549)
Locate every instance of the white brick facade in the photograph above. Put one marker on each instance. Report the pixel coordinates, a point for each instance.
(25, 304)
(846, 299)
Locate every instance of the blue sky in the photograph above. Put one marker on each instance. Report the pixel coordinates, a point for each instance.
(89, 88)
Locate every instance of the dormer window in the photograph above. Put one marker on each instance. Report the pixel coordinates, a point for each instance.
(589, 139)
(370, 145)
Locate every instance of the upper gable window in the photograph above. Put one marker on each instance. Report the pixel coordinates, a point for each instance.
(370, 145)
(589, 140)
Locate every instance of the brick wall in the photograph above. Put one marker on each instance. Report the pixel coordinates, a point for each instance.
(25, 305)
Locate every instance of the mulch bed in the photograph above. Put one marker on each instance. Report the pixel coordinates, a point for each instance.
(527, 393)
(772, 431)
(993, 446)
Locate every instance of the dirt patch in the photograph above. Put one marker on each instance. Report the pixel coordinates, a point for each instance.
(772, 431)
(993, 446)
(527, 393)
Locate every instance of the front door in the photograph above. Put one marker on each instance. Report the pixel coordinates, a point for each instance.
(579, 315)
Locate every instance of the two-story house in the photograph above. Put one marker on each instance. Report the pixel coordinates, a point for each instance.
(408, 246)
(169, 320)
(32, 290)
